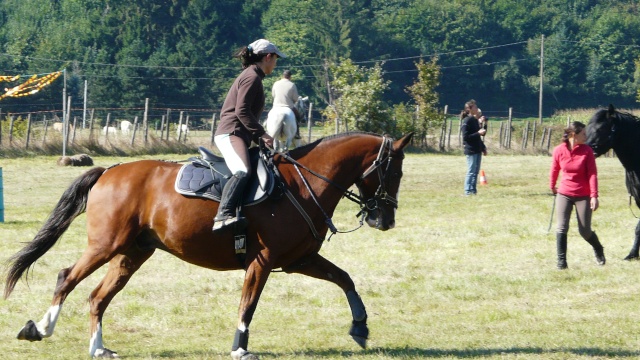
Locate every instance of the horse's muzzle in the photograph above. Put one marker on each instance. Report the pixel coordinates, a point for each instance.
(379, 223)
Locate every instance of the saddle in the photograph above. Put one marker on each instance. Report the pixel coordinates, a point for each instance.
(205, 177)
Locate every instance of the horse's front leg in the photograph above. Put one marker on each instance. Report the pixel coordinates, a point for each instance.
(635, 250)
(254, 281)
(318, 267)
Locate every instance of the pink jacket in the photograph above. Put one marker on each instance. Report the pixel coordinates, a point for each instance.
(579, 173)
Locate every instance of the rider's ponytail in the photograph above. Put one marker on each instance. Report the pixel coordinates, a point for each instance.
(247, 57)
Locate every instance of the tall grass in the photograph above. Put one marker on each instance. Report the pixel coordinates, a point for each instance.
(459, 277)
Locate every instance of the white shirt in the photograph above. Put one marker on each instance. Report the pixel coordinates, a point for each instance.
(285, 93)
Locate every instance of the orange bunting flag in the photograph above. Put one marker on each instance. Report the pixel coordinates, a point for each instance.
(34, 84)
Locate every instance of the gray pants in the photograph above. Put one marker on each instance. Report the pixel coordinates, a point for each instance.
(565, 204)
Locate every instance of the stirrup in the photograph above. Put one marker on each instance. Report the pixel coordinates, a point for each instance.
(228, 221)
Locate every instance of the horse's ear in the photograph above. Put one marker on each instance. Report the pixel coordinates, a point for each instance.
(401, 143)
(611, 110)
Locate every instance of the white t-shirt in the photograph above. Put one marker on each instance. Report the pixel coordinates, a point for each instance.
(285, 93)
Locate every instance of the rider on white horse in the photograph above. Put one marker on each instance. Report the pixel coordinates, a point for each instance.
(285, 93)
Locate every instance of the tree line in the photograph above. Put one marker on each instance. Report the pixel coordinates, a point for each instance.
(416, 54)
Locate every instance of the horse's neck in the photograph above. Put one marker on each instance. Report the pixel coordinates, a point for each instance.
(342, 166)
(627, 148)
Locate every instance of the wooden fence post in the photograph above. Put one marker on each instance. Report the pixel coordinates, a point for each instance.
(162, 127)
(67, 124)
(533, 136)
(106, 128)
(443, 129)
(91, 125)
(180, 125)
(544, 135)
(168, 122)
(26, 146)
(144, 121)
(449, 134)
(11, 130)
(135, 128)
(75, 126)
(509, 124)
(186, 128)
(44, 133)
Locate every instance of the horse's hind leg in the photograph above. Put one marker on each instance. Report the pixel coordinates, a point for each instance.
(68, 279)
(121, 268)
(635, 250)
(320, 268)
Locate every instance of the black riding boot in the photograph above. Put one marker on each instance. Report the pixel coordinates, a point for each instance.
(230, 199)
(299, 119)
(597, 249)
(561, 244)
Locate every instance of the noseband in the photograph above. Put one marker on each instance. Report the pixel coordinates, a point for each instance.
(366, 205)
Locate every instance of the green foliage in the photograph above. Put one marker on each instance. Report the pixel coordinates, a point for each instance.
(424, 94)
(19, 130)
(440, 285)
(177, 52)
(358, 98)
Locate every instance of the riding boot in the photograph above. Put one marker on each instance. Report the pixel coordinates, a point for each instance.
(597, 248)
(231, 197)
(297, 132)
(561, 244)
(299, 119)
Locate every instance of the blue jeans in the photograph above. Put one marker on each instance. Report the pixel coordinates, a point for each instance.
(473, 168)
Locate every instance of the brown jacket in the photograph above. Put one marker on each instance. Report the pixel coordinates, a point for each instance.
(241, 110)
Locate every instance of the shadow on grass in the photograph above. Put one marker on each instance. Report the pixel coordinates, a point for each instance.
(409, 352)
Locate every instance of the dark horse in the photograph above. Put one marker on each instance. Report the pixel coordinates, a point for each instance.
(132, 210)
(612, 129)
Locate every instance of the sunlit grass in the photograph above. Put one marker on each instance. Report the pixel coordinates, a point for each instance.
(459, 277)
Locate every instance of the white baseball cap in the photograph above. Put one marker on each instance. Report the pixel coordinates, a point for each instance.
(262, 46)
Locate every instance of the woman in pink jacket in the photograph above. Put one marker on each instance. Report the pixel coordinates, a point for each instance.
(578, 186)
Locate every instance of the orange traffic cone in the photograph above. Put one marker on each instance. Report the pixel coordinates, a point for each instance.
(483, 178)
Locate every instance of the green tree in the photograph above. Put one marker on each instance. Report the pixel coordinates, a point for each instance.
(426, 99)
(312, 33)
(358, 104)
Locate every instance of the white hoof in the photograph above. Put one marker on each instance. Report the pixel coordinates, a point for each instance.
(105, 353)
(242, 354)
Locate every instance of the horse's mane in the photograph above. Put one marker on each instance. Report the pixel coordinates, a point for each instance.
(303, 150)
(627, 116)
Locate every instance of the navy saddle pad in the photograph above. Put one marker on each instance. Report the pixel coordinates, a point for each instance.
(205, 177)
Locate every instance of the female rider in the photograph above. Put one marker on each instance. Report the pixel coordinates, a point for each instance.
(239, 124)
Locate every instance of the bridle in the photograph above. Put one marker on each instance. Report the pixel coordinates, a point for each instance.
(383, 160)
(608, 143)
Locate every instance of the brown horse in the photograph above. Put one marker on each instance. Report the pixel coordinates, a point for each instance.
(132, 210)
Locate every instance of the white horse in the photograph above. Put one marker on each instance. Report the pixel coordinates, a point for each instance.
(182, 130)
(58, 126)
(281, 125)
(111, 130)
(125, 127)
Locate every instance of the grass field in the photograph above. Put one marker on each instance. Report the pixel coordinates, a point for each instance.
(458, 278)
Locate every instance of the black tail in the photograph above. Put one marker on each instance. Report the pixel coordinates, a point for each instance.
(72, 203)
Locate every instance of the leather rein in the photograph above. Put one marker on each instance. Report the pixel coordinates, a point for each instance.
(366, 205)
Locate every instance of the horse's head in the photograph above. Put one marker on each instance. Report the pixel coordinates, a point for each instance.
(601, 130)
(380, 183)
(301, 105)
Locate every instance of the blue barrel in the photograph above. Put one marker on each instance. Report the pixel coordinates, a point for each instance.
(1, 198)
